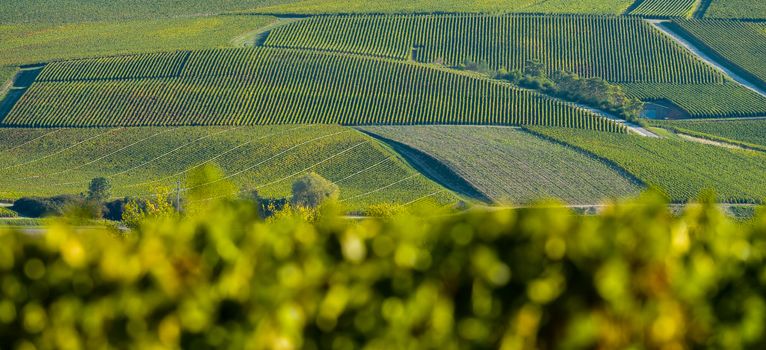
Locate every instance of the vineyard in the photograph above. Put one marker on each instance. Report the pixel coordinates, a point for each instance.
(679, 168)
(275, 86)
(739, 101)
(612, 7)
(161, 65)
(104, 11)
(514, 167)
(44, 42)
(665, 8)
(749, 131)
(754, 9)
(740, 43)
(617, 49)
(265, 158)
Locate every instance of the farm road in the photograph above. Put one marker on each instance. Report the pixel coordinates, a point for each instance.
(700, 53)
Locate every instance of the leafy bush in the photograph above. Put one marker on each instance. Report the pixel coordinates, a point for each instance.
(634, 276)
(36, 207)
(312, 190)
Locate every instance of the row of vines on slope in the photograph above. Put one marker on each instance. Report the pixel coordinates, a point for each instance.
(275, 86)
(665, 8)
(618, 49)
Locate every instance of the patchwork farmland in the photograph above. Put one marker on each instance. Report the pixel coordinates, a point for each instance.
(144, 110)
(367, 174)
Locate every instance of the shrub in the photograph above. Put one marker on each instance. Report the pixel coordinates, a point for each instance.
(312, 190)
(36, 207)
(99, 190)
(633, 276)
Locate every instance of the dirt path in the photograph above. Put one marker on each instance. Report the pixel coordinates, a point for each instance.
(710, 142)
(700, 53)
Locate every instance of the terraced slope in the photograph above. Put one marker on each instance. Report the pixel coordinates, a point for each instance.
(750, 131)
(755, 9)
(275, 86)
(618, 49)
(741, 44)
(429, 6)
(703, 100)
(264, 158)
(513, 166)
(680, 168)
(665, 8)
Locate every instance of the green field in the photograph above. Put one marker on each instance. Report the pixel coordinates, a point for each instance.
(70, 11)
(749, 131)
(742, 44)
(682, 169)
(428, 6)
(665, 8)
(703, 100)
(514, 167)
(613, 48)
(275, 86)
(267, 159)
(30, 43)
(755, 9)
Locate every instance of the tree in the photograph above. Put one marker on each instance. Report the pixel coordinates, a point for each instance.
(312, 190)
(158, 206)
(535, 68)
(100, 189)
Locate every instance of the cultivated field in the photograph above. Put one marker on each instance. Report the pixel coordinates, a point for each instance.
(616, 49)
(515, 167)
(665, 8)
(71, 11)
(749, 131)
(736, 9)
(44, 42)
(428, 6)
(267, 159)
(741, 44)
(276, 86)
(679, 168)
(703, 100)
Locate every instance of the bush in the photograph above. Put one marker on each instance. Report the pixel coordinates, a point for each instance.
(99, 190)
(312, 190)
(633, 276)
(37, 207)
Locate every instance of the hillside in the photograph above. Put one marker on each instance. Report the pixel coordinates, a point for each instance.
(277, 86)
(265, 159)
(680, 168)
(515, 167)
(620, 50)
(430, 6)
(748, 131)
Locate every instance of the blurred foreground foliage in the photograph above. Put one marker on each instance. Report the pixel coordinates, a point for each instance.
(632, 277)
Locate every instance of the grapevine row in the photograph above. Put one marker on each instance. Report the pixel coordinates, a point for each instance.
(157, 65)
(618, 49)
(270, 86)
(665, 8)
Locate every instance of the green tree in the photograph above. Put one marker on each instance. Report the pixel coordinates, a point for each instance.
(312, 190)
(100, 189)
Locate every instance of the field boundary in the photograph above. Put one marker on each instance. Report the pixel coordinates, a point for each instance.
(701, 10)
(606, 161)
(432, 168)
(671, 28)
(715, 138)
